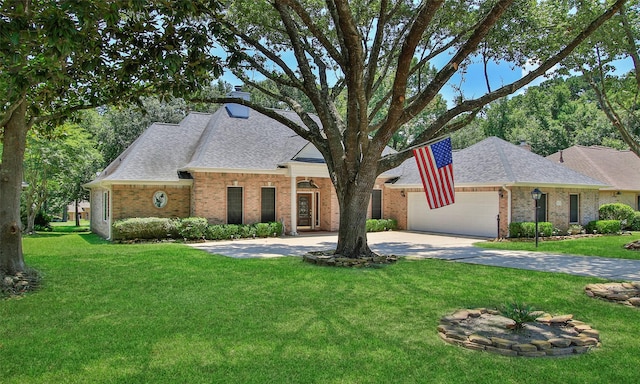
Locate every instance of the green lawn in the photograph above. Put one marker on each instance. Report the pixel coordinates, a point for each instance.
(70, 226)
(605, 246)
(166, 313)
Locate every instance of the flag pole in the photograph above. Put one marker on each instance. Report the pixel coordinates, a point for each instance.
(411, 148)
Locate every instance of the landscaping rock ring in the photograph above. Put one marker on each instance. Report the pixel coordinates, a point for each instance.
(484, 329)
(621, 293)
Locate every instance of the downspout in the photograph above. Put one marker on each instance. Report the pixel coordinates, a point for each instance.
(504, 187)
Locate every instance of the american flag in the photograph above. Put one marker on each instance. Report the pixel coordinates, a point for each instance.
(435, 163)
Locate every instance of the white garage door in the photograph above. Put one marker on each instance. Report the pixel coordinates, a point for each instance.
(473, 214)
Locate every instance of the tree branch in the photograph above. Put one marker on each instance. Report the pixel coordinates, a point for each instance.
(476, 104)
(315, 31)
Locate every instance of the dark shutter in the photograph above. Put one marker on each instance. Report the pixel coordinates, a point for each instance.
(542, 210)
(573, 209)
(268, 205)
(234, 205)
(376, 204)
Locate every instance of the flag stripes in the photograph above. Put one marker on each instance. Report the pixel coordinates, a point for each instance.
(435, 164)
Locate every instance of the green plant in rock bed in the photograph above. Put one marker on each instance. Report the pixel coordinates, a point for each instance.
(519, 312)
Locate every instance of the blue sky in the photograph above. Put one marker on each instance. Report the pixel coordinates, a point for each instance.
(472, 82)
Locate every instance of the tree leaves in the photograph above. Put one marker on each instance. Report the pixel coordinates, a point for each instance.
(74, 54)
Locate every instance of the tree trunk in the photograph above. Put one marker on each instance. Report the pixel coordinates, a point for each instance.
(353, 200)
(15, 133)
(77, 214)
(31, 219)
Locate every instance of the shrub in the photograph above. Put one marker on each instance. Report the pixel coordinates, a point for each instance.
(231, 231)
(617, 211)
(193, 228)
(276, 228)
(247, 231)
(528, 229)
(603, 226)
(545, 229)
(379, 225)
(635, 223)
(215, 232)
(143, 228)
(262, 229)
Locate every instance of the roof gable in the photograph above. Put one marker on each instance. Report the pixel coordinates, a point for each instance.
(158, 152)
(256, 142)
(619, 169)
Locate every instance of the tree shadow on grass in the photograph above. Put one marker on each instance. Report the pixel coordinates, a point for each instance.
(92, 238)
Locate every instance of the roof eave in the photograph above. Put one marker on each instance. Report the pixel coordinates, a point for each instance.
(109, 182)
(275, 171)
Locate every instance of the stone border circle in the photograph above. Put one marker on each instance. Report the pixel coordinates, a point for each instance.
(484, 329)
(621, 293)
(329, 259)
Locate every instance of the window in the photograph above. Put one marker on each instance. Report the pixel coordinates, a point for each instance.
(542, 208)
(376, 204)
(638, 207)
(268, 205)
(105, 206)
(574, 212)
(234, 205)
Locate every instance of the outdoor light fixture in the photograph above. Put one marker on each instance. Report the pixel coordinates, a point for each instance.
(536, 194)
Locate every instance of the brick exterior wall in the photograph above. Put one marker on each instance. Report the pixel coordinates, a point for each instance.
(98, 224)
(394, 205)
(523, 206)
(628, 198)
(209, 197)
(137, 201)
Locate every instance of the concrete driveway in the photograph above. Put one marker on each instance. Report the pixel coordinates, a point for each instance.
(424, 245)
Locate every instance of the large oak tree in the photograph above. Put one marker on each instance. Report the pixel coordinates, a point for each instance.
(57, 57)
(618, 94)
(348, 52)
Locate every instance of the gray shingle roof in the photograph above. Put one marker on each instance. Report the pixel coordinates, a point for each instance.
(205, 141)
(160, 150)
(258, 142)
(494, 161)
(619, 169)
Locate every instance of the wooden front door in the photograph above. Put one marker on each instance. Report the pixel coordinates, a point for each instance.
(305, 207)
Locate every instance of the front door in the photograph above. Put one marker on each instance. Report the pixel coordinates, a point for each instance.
(304, 210)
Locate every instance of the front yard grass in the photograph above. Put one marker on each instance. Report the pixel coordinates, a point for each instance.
(159, 313)
(603, 246)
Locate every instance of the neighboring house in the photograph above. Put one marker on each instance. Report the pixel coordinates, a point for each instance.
(84, 209)
(239, 166)
(619, 169)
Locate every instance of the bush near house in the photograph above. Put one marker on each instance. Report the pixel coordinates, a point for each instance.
(197, 228)
(528, 229)
(144, 228)
(604, 226)
(191, 228)
(379, 225)
(635, 223)
(617, 211)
